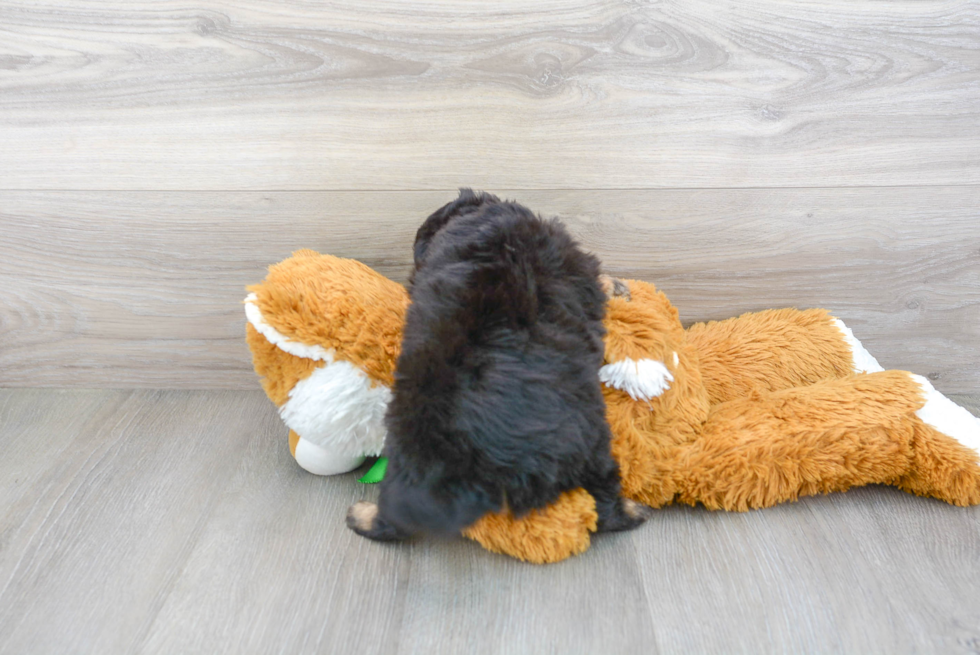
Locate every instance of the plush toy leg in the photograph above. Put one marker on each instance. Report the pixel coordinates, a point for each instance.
(650, 437)
(774, 350)
(542, 536)
(946, 451)
(320, 461)
(770, 448)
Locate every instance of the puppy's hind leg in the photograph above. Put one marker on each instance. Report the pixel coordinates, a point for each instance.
(365, 519)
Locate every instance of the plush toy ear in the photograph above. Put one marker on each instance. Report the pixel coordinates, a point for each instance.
(643, 337)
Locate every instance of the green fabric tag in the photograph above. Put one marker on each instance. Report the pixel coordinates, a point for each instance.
(376, 473)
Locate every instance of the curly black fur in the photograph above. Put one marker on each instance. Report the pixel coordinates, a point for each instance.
(496, 401)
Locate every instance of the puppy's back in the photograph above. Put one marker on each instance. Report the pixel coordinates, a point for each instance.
(496, 392)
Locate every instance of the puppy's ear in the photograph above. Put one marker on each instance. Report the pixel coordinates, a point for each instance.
(467, 202)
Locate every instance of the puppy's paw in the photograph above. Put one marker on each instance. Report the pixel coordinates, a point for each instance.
(364, 519)
(636, 511)
(613, 287)
(631, 514)
(361, 516)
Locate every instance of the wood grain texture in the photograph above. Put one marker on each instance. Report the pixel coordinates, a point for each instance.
(176, 522)
(870, 571)
(269, 94)
(458, 600)
(111, 506)
(277, 570)
(144, 289)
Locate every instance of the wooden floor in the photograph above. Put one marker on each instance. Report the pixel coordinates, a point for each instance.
(156, 157)
(176, 522)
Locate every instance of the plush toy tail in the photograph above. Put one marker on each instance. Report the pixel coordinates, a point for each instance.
(830, 436)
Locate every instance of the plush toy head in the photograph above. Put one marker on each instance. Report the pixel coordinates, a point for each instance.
(324, 334)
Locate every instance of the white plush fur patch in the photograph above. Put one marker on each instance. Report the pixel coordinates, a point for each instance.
(946, 416)
(642, 380)
(280, 340)
(337, 408)
(864, 362)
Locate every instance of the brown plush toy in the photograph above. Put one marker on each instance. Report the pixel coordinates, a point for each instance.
(737, 414)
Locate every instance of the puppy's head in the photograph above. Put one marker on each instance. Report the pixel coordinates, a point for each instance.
(467, 202)
(434, 503)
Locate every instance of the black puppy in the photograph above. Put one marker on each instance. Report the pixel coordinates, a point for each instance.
(496, 401)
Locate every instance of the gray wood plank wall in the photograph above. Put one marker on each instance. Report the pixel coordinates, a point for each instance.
(497, 93)
(144, 289)
(155, 159)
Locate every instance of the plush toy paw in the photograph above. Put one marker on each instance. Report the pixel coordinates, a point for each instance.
(321, 461)
(541, 536)
(946, 450)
